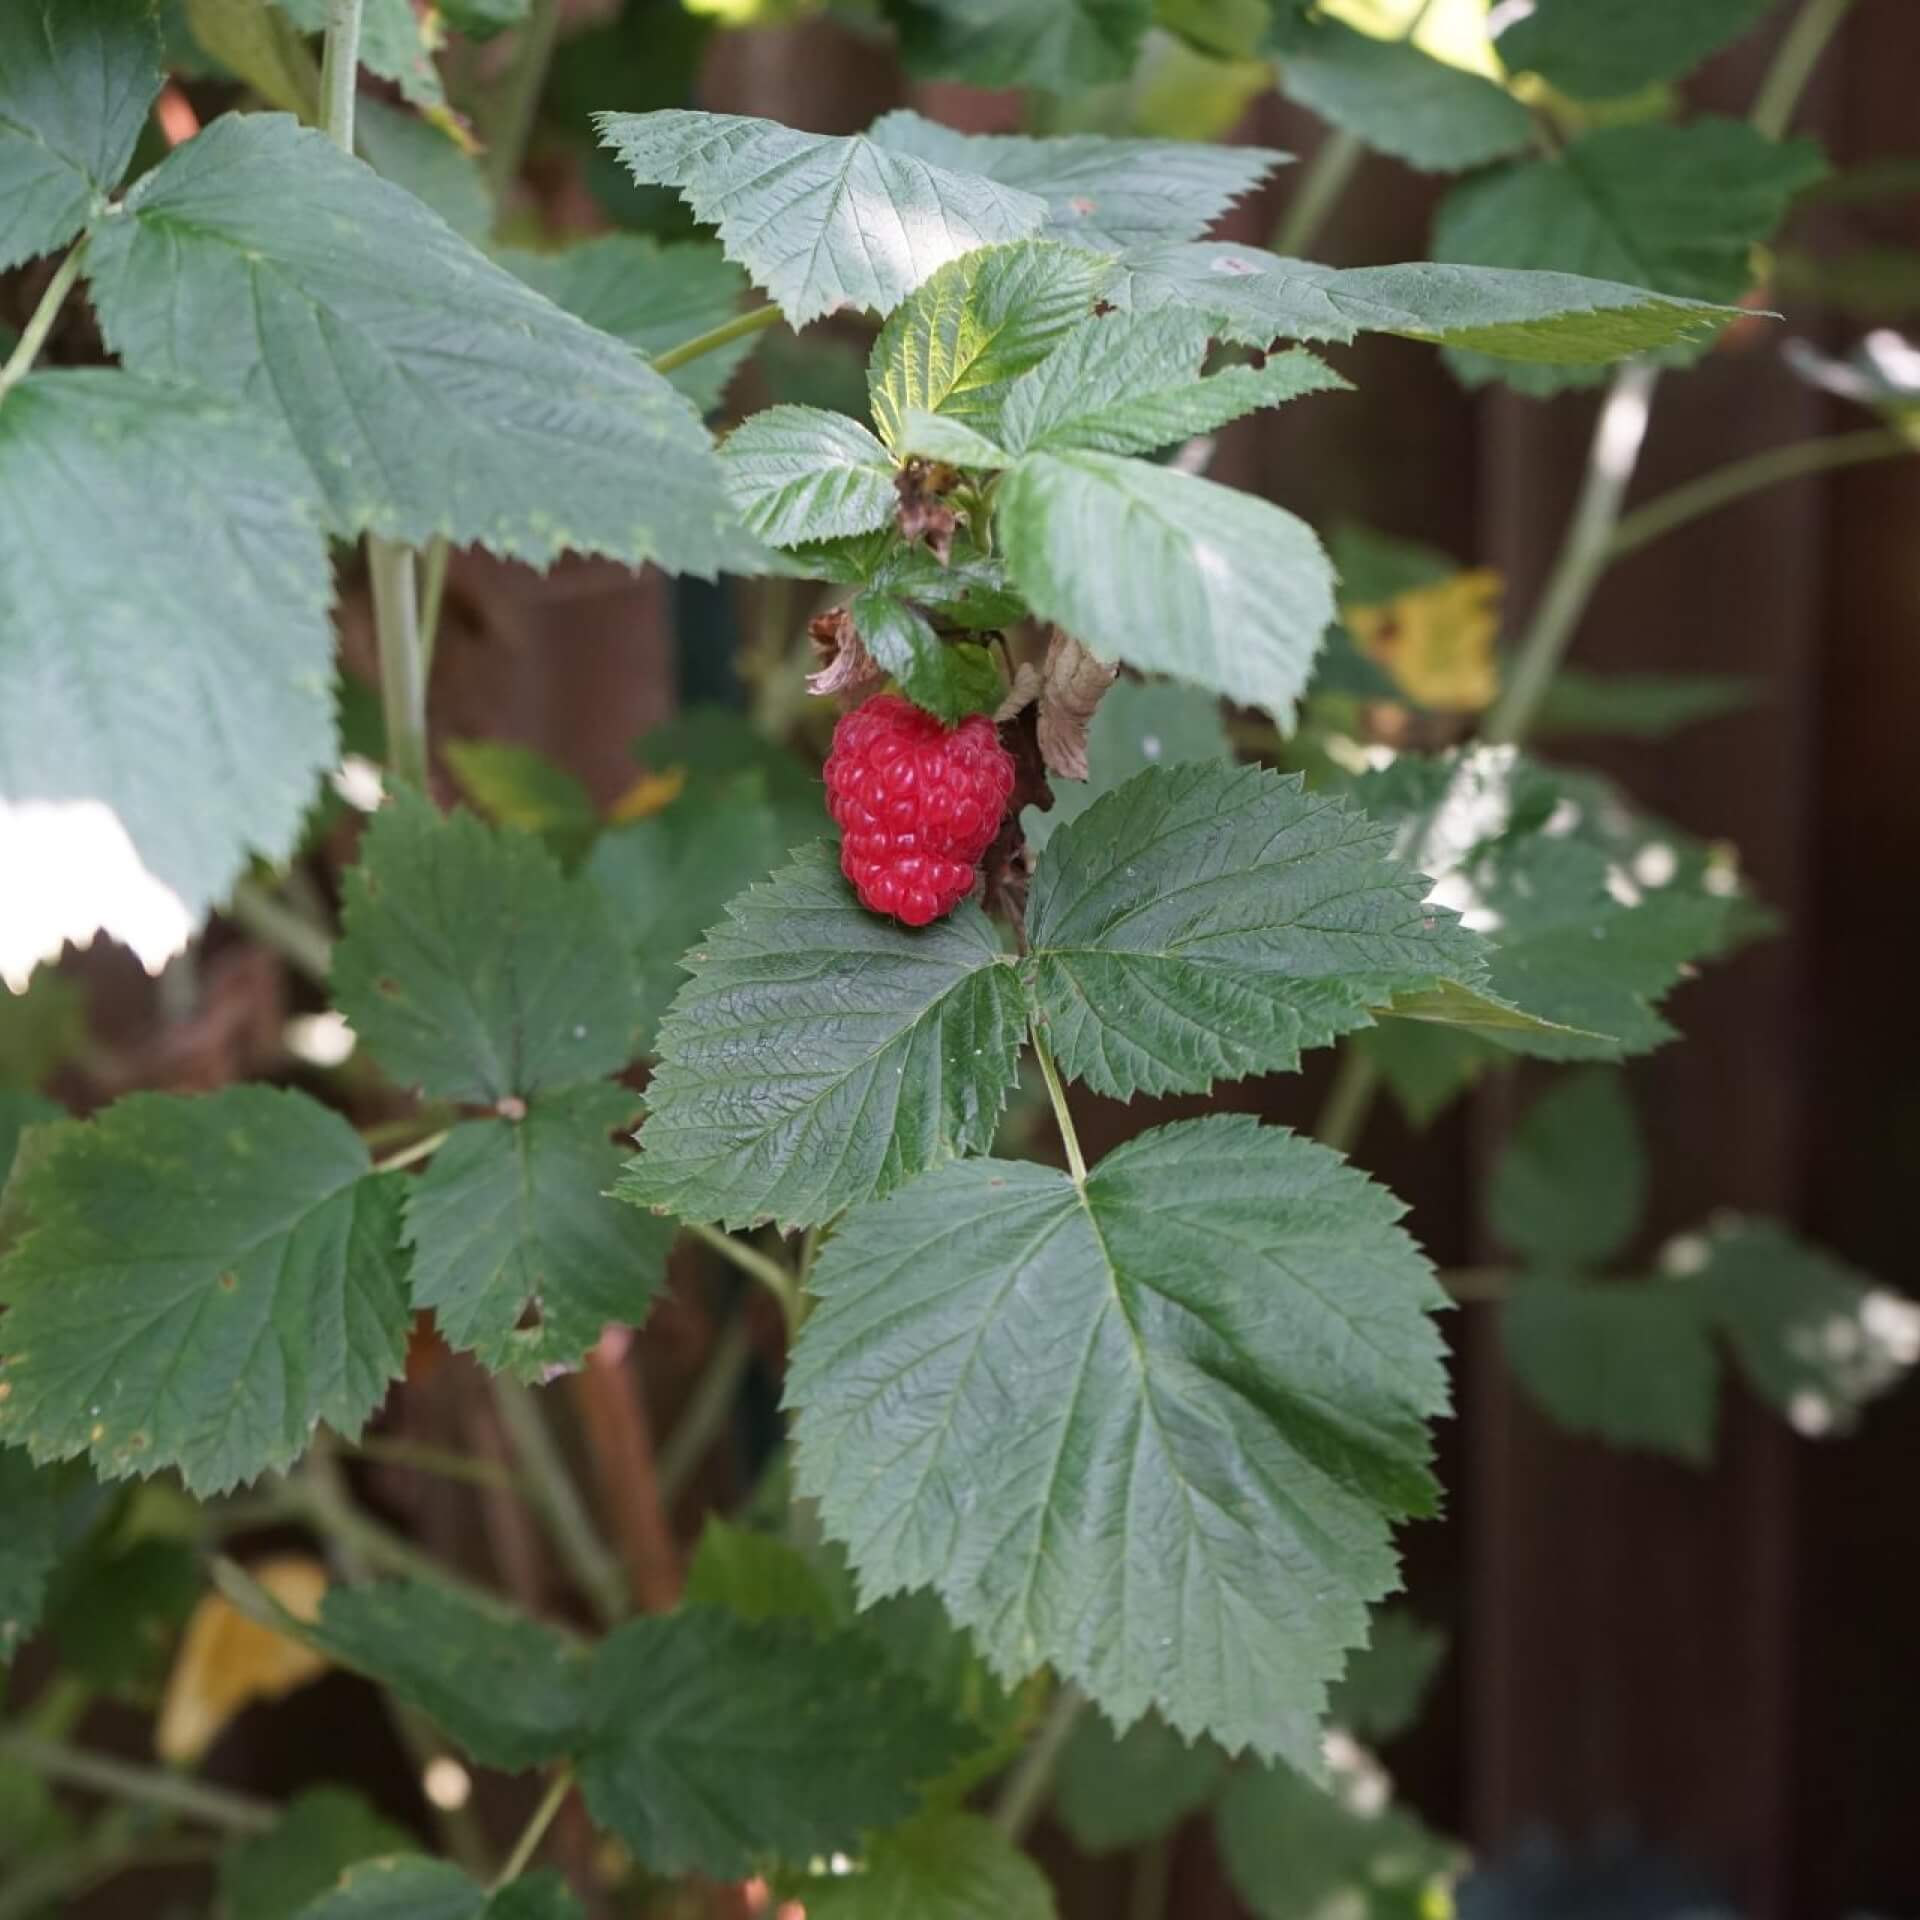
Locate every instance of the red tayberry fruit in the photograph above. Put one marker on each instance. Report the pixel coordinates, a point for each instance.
(917, 804)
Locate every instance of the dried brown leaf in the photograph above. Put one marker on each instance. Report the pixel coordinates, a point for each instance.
(1071, 684)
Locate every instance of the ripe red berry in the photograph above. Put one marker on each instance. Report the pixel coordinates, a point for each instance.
(917, 804)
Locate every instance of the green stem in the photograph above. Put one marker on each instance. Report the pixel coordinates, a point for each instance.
(1152, 1880)
(146, 1786)
(1738, 478)
(1349, 1099)
(707, 1409)
(532, 57)
(1800, 50)
(403, 678)
(274, 924)
(20, 361)
(340, 71)
(441, 1462)
(750, 1260)
(1617, 438)
(556, 1500)
(737, 328)
(407, 1156)
(433, 594)
(1319, 191)
(1024, 1796)
(1057, 1093)
(535, 1830)
(47, 1883)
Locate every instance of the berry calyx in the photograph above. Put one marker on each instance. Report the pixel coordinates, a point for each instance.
(917, 804)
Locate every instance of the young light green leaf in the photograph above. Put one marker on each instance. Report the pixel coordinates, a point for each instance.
(509, 1692)
(430, 164)
(1011, 43)
(1399, 99)
(818, 221)
(949, 680)
(1294, 1852)
(651, 294)
(260, 261)
(667, 878)
(718, 1745)
(1628, 1363)
(513, 786)
(1207, 922)
(472, 966)
(195, 711)
(1138, 724)
(201, 1281)
(49, 1511)
(1255, 297)
(404, 1887)
(1153, 1431)
(1120, 1791)
(1570, 1189)
(821, 1055)
(942, 1866)
(516, 1247)
(1607, 49)
(1131, 383)
(76, 80)
(1815, 1338)
(1678, 208)
(1170, 573)
(1101, 193)
(975, 326)
(276, 1875)
(796, 474)
(1386, 1683)
(934, 436)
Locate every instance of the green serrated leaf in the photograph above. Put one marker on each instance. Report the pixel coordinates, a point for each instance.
(818, 221)
(651, 294)
(1399, 99)
(76, 80)
(481, 19)
(428, 162)
(260, 261)
(1138, 724)
(405, 1887)
(1101, 193)
(516, 1247)
(1816, 1338)
(1386, 1683)
(718, 1744)
(276, 1875)
(1256, 297)
(516, 787)
(1628, 1363)
(1677, 208)
(1607, 49)
(949, 679)
(976, 325)
(206, 719)
(797, 474)
(1132, 383)
(1169, 573)
(472, 966)
(1170, 1474)
(1207, 922)
(117, 1608)
(201, 1281)
(757, 1577)
(1294, 1852)
(49, 1511)
(18, 1112)
(821, 1055)
(1120, 1791)
(1570, 1189)
(1064, 45)
(942, 1866)
(508, 1691)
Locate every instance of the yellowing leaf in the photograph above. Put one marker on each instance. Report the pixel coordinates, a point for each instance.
(651, 793)
(226, 1661)
(1437, 641)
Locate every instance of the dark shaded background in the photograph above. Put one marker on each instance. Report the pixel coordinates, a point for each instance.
(1721, 1662)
